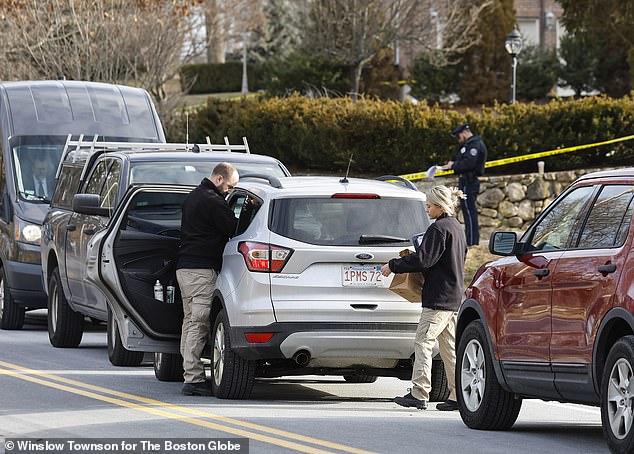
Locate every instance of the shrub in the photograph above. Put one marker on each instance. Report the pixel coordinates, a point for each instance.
(392, 137)
(536, 74)
(219, 77)
(303, 73)
(432, 83)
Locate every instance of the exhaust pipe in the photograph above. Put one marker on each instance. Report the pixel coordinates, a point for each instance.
(301, 358)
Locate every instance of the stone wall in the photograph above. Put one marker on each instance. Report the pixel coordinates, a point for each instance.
(511, 202)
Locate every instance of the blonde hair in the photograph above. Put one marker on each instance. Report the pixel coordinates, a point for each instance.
(446, 198)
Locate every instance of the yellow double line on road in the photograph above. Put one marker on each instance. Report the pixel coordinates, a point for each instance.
(177, 412)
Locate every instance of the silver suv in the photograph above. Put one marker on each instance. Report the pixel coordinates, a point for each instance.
(300, 292)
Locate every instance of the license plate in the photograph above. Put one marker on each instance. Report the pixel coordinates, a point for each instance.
(361, 276)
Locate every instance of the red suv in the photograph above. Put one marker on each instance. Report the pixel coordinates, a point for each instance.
(554, 318)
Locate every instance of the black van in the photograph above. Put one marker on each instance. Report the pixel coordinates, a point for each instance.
(35, 120)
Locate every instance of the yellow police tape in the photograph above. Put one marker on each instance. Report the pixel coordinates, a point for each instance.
(501, 162)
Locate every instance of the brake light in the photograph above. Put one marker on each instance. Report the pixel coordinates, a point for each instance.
(264, 258)
(258, 338)
(354, 195)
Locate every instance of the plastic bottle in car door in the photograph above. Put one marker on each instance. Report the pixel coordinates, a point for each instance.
(170, 292)
(158, 291)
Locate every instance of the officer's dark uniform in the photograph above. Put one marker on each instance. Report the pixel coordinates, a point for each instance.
(469, 164)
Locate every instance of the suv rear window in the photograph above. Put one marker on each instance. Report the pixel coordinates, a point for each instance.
(349, 222)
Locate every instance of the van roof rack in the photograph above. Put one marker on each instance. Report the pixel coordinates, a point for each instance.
(87, 148)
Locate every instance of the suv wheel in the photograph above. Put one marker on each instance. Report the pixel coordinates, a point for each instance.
(617, 396)
(232, 376)
(439, 386)
(117, 353)
(361, 378)
(11, 314)
(65, 326)
(483, 402)
(168, 366)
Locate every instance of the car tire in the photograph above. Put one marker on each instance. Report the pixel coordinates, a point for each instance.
(617, 396)
(439, 385)
(232, 377)
(361, 378)
(484, 404)
(11, 313)
(117, 353)
(168, 367)
(65, 326)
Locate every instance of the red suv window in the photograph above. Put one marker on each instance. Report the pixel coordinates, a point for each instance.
(609, 220)
(554, 230)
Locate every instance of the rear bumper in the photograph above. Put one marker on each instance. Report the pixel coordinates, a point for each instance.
(365, 341)
(25, 284)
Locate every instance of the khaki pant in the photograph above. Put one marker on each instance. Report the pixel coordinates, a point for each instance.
(434, 325)
(197, 287)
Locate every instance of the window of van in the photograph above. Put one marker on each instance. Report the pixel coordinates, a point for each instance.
(35, 160)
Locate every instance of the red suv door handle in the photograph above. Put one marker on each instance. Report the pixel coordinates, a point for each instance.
(541, 272)
(606, 269)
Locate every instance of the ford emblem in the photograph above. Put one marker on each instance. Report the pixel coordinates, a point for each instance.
(364, 256)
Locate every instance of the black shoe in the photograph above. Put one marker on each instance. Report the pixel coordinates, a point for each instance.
(448, 405)
(197, 389)
(410, 401)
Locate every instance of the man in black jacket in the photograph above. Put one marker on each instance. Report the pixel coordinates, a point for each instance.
(440, 257)
(207, 224)
(468, 163)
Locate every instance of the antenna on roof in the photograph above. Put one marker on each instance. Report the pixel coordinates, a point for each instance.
(186, 129)
(345, 179)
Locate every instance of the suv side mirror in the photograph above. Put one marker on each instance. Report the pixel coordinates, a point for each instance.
(89, 204)
(503, 243)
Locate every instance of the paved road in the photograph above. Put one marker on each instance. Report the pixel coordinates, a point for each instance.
(47, 392)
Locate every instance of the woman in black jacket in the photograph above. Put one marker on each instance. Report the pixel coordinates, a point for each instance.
(441, 258)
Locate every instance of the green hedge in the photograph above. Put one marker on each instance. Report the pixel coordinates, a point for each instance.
(393, 137)
(219, 77)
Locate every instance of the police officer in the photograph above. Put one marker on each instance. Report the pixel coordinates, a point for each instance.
(469, 163)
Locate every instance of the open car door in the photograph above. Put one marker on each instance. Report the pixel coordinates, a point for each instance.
(138, 249)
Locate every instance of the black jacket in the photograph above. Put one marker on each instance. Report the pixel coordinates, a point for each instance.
(469, 158)
(440, 257)
(207, 223)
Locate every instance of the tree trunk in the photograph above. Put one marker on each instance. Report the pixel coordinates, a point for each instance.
(216, 39)
(356, 82)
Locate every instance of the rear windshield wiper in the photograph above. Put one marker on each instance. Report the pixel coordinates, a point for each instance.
(369, 239)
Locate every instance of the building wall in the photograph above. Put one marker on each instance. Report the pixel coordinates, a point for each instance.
(540, 20)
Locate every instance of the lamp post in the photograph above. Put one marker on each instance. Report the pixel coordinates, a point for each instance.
(513, 46)
(245, 80)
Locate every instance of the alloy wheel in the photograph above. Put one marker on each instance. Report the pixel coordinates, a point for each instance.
(473, 375)
(620, 398)
(219, 353)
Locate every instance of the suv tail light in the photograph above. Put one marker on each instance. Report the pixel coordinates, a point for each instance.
(354, 195)
(264, 258)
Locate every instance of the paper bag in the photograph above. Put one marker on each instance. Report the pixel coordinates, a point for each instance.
(408, 285)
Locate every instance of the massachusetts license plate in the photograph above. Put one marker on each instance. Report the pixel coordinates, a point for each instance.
(361, 276)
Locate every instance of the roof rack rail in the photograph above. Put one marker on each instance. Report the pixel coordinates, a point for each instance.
(83, 147)
(273, 181)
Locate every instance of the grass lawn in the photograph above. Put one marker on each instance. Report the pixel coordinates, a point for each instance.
(476, 256)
